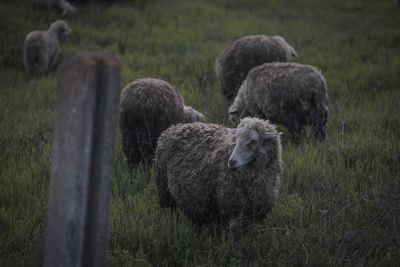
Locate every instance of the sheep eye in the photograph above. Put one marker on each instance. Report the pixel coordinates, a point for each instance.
(252, 143)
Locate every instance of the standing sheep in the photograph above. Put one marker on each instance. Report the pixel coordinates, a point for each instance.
(289, 93)
(41, 48)
(235, 61)
(62, 6)
(216, 173)
(148, 107)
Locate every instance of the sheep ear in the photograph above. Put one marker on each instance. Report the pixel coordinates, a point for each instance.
(233, 130)
(270, 136)
(233, 110)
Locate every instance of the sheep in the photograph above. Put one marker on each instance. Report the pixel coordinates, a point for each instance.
(215, 173)
(149, 106)
(62, 6)
(235, 61)
(41, 48)
(289, 93)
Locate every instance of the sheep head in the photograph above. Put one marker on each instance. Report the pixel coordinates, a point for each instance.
(238, 109)
(291, 54)
(60, 29)
(250, 138)
(233, 114)
(192, 115)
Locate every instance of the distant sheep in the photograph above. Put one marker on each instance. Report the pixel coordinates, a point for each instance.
(41, 48)
(216, 173)
(288, 93)
(62, 6)
(235, 61)
(148, 107)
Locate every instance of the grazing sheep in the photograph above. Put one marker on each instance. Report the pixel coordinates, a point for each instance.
(235, 61)
(288, 93)
(41, 48)
(148, 107)
(216, 173)
(62, 6)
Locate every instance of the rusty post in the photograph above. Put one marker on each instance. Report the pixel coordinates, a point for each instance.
(87, 100)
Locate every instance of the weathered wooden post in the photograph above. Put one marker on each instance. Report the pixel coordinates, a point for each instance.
(87, 101)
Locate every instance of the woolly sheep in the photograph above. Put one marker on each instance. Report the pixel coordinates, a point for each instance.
(289, 93)
(148, 107)
(235, 61)
(216, 173)
(41, 48)
(62, 6)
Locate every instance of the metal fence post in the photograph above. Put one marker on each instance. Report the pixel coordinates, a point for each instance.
(87, 101)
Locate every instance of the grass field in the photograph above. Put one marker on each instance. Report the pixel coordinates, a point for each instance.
(340, 200)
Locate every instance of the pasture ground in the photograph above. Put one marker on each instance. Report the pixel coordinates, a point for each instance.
(340, 200)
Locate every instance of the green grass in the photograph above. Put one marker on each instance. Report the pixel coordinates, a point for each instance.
(340, 199)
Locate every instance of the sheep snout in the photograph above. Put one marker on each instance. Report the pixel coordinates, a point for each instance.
(232, 164)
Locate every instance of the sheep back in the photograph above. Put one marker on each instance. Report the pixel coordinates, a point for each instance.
(235, 61)
(148, 106)
(280, 90)
(289, 93)
(40, 51)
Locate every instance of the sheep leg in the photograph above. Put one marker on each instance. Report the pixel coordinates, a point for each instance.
(318, 132)
(133, 156)
(51, 64)
(29, 68)
(234, 230)
(165, 199)
(27, 63)
(294, 128)
(318, 122)
(35, 66)
(42, 66)
(130, 148)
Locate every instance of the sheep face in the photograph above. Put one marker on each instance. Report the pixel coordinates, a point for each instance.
(291, 54)
(233, 114)
(192, 115)
(247, 143)
(236, 113)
